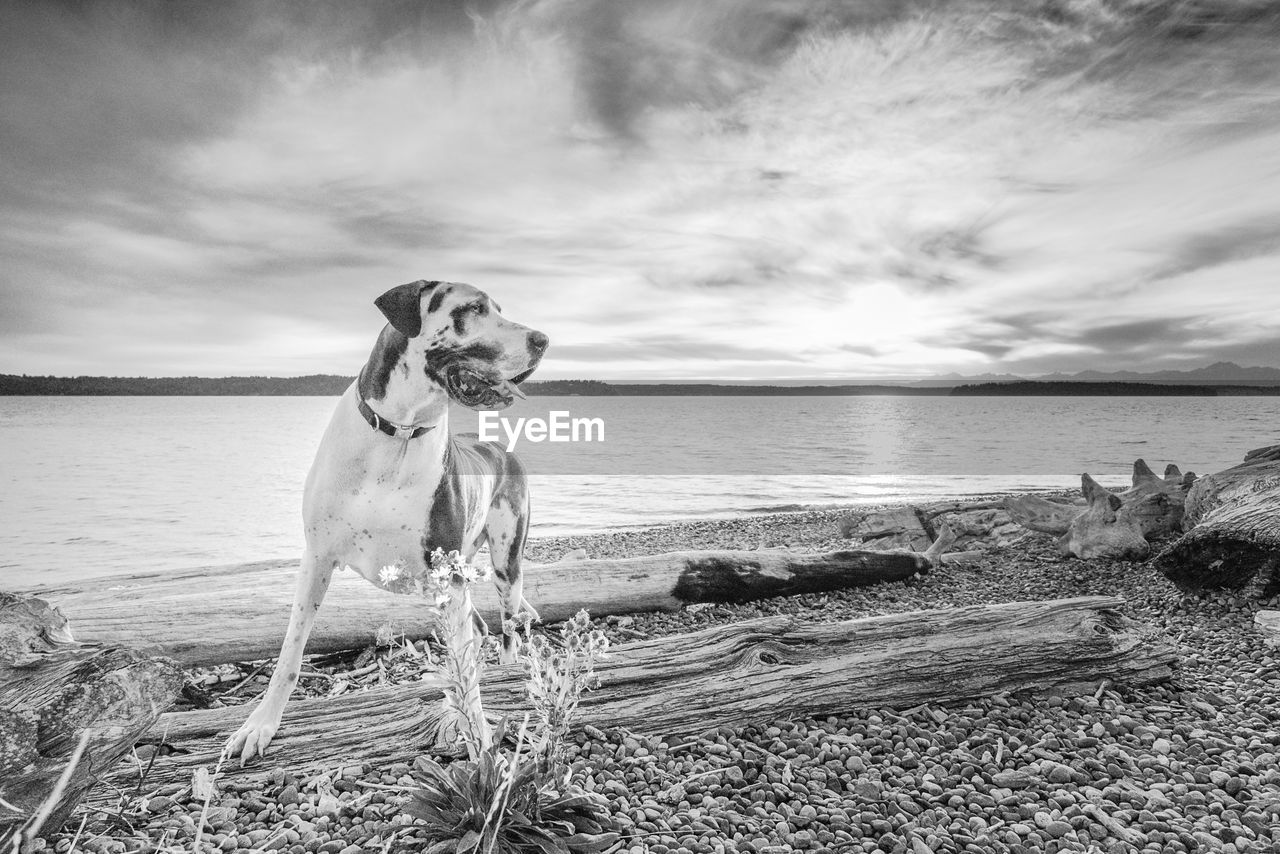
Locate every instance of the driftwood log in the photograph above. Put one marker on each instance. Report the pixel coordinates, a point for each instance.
(977, 525)
(1105, 529)
(751, 671)
(1107, 524)
(242, 611)
(66, 708)
(901, 527)
(1268, 623)
(1157, 504)
(1236, 533)
(1043, 515)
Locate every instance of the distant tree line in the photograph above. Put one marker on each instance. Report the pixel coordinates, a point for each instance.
(314, 385)
(329, 384)
(714, 390)
(332, 384)
(585, 388)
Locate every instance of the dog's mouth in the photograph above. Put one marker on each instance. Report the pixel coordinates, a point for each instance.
(479, 389)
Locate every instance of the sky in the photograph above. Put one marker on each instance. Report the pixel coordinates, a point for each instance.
(730, 189)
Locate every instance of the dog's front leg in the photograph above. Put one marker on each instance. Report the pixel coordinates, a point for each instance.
(253, 737)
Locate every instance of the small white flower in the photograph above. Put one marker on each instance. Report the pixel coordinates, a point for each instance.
(391, 573)
(472, 573)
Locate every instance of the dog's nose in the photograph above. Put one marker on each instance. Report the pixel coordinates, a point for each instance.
(538, 343)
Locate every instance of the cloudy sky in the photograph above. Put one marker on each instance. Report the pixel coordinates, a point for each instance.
(764, 189)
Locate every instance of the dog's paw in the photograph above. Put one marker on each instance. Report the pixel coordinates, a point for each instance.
(252, 738)
(509, 652)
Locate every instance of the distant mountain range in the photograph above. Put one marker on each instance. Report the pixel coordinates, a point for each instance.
(1219, 373)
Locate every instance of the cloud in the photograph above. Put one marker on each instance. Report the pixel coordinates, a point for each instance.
(1240, 241)
(1137, 334)
(664, 348)
(755, 188)
(986, 348)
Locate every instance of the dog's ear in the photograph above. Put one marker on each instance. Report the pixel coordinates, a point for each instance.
(402, 306)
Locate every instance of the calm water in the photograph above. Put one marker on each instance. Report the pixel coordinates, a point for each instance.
(103, 486)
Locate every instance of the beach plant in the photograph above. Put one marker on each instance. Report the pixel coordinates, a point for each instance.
(448, 585)
(556, 676)
(499, 800)
(502, 803)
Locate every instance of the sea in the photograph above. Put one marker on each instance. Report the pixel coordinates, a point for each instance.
(105, 486)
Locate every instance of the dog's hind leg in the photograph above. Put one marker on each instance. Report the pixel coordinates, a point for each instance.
(506, 527)
(253, 737)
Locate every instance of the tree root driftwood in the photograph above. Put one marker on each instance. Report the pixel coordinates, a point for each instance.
(241, 612)
(66, 709)
(1235, 528)
(1107, 524)
(728, 675)
(977, 526)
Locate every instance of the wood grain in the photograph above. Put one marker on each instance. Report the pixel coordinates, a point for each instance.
(209, 616)
(1236, 533)
(53, 692)
(748, 672)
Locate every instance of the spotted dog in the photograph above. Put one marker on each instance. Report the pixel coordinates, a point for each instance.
(389, 485)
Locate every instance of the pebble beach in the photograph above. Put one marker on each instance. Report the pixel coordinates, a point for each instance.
(1191, 765)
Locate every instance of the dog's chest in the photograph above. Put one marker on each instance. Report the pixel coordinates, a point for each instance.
(371, 514)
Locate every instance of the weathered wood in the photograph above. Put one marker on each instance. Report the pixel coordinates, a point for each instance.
(1098, 528)
(1042, 515)
(241, 612)
(978, 525)
(733, 674)
(1154, 503)
(1110, 525)
(52, 692)
(1204, 493)
(1106, 528)
(892, 527)
(1157, 504)
(1236, 533)
(939, 508)
(1268, 623)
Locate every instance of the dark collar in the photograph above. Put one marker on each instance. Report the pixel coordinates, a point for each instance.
(399, 431)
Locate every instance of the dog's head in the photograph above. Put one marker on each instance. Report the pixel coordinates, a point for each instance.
(465, 344)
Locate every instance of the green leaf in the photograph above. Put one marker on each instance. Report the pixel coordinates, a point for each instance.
(469, 841)
(585, 823)
(486, 770)
(588, 843)
(516, 818)
(558, 828)
(570, 802)
(530, 838)
(424, 762)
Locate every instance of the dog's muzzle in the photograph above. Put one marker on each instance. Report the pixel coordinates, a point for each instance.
(477, 388)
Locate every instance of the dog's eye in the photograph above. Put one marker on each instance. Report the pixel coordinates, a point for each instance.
(460, 314)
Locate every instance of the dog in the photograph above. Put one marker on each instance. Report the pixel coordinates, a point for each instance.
(389, 485)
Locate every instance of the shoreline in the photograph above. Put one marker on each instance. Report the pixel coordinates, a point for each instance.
(1181, 766)
(812, 529)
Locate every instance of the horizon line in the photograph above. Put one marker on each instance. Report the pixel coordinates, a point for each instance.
(726, 381)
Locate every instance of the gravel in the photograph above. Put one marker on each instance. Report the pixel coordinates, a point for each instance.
(1187, 766)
